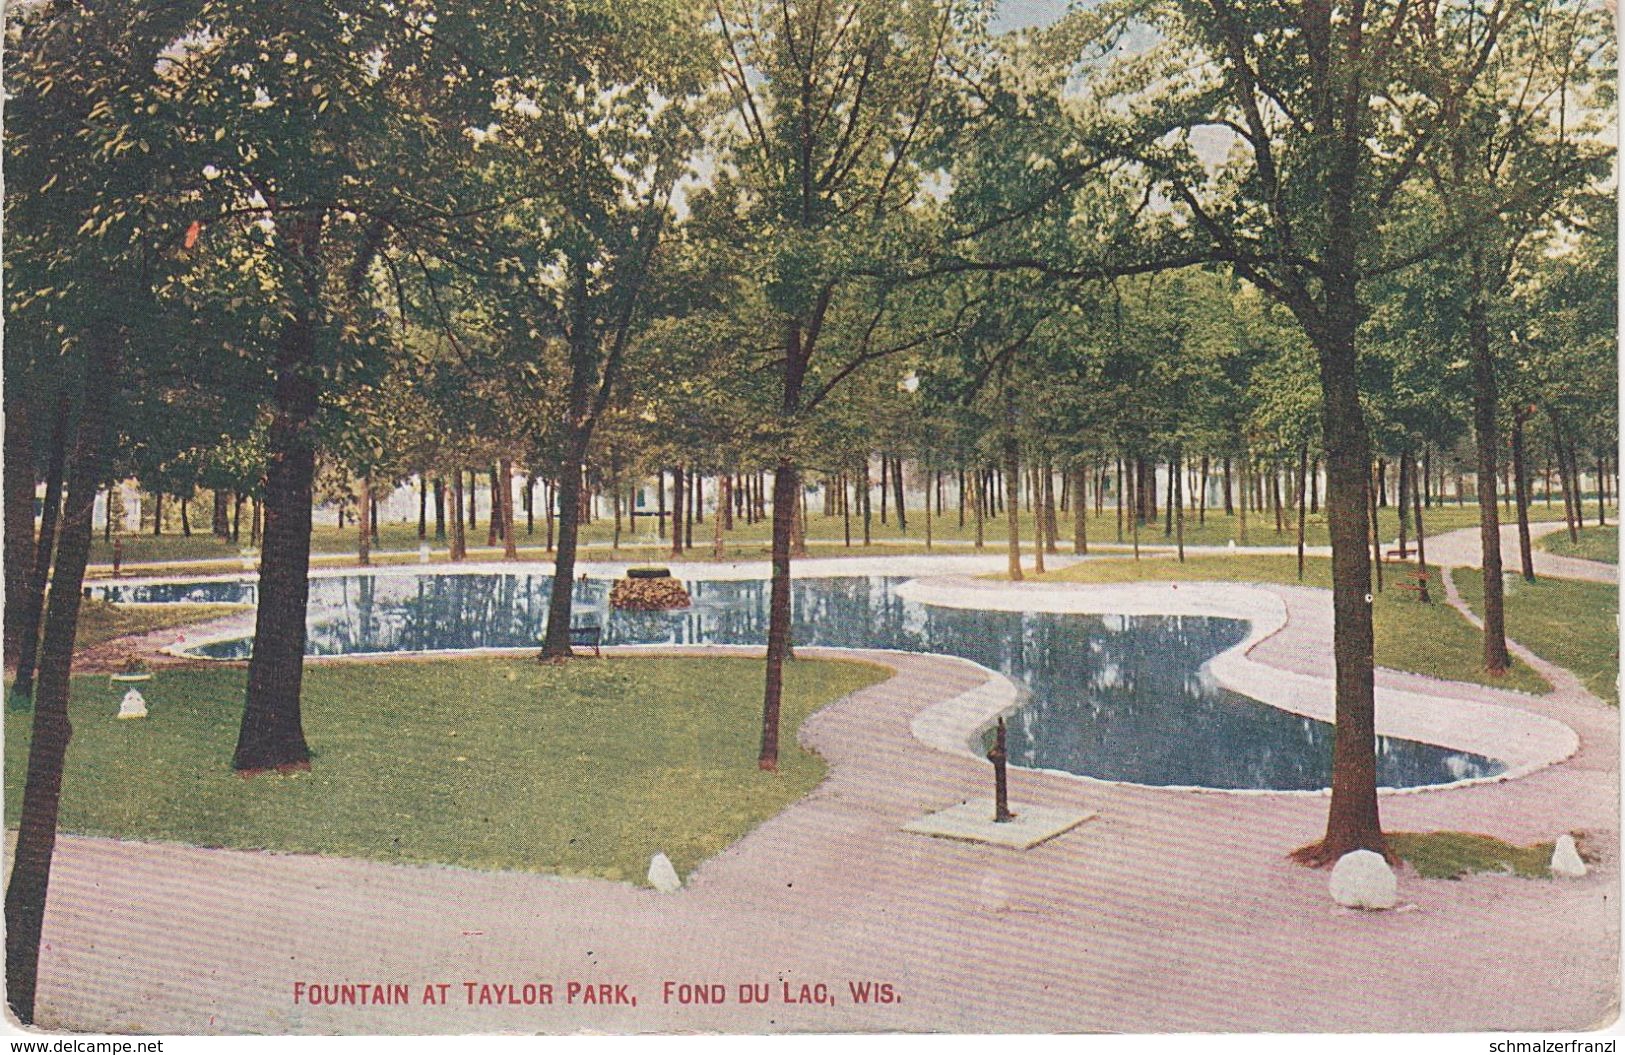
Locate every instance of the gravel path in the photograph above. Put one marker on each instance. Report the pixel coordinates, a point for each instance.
(1464, 549)
(1169, 911)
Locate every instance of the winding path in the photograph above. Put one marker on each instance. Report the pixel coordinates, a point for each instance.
(1463, 548)
(1171, 910)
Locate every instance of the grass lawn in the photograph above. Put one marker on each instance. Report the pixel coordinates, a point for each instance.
(1596, 543)
(826, 536)
(1451, 855)
(100, 621)
(1428, 639)
(1573, 624)
(583, 769)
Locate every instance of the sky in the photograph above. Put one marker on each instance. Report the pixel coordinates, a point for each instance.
(1023, 14)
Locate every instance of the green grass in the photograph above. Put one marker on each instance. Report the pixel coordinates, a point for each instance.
(100, 622)
(588, 768)
(750, 541)
(1431, 639)
(1571, 623)
(1451, 855)
(1596, 543)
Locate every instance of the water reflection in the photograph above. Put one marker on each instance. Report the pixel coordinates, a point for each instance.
(1117, 697)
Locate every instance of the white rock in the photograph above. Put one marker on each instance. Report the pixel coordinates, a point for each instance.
(134, 705)
(662, 876)
(992, 895)
(1362, 879)
(1566, 863)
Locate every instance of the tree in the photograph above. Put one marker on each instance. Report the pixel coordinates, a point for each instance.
(832, 106)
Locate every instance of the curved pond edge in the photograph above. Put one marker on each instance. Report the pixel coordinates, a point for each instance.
(1524, 741)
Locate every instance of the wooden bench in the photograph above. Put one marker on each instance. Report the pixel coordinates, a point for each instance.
(591, 636)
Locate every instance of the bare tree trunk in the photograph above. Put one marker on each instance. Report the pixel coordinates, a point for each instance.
(1520, 487)
(272, 735)
(440, 509)
(1047, 475)
(33, 601)
(724, 497)
(1303, 508)
(48, 745)
(678, 510)
(868, 508)
(1421, 541)
(1175, 471)
(1485, 399)
(17, 480)
(1080, 512)
(1376, 538)
(1404, 511)
(364, 522)
(510, 545)
(459, 536)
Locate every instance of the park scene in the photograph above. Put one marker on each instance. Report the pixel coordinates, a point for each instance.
(760, 516)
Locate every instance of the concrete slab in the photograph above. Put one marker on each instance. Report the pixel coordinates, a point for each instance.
(973, 821)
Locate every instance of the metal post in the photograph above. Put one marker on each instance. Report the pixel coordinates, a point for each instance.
(998, 756)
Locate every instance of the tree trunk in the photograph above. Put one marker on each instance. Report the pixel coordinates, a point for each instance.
(22, 687)
(17, 480)
(885, 480)
(678, 511)
(459, 537)
(866, 500)
(1376, 539)
(1422, 594)
(1404, 510)
(363, 522)
(493, 529)
(561, 602)
(660, 503)
(898, 493)
(220, 521)
(1520, 487)
(1012, 481)
(423, 508)
(1241, 506)
(1177, 478)
(1047, 495)
(272, 735)
(1485, 399)
(1303, 507)
(157, 514)
(440, 509)
(724, 496)
(471, 523)
(47, 750)
(1080, 512)
(510, 544)
(778, 633)
(1352, 821)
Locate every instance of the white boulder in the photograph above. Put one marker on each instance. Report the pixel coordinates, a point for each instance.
(134, 705)
(1362, 879)
(662, 876)
(1566, 863)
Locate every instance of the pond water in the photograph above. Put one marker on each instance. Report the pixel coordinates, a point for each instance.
(1115, 697)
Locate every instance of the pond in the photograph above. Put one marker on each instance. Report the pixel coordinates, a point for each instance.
(1125, 698)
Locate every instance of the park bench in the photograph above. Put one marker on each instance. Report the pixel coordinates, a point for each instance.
(588, 636)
